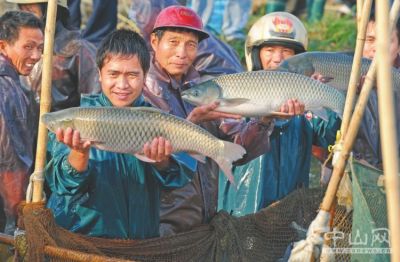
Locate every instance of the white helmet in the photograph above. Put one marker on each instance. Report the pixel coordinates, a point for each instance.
(278, 28)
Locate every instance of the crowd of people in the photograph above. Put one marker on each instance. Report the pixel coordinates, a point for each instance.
(171, 194)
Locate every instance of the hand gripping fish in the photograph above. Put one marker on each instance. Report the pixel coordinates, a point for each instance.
(126, 130)
(261, 93)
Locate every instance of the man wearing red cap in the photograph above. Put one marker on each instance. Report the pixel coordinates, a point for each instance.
(174, 40)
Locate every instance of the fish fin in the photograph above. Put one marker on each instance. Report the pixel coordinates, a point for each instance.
(185, 159)
(198, 157)
(232, 101)
(326, 79)
(281, 115)
(93, 142)
(320, 112)
(144, 158)
(230, 153)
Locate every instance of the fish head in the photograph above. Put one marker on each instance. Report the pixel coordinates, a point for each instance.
(60, 119)
(202, 94)
(299, 64)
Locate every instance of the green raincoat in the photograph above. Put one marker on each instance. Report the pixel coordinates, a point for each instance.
(118, 196)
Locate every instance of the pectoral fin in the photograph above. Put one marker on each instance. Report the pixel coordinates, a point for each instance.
(198, 157)
(232, 101)
(144, 158)
(281, 115)
(96, 143)
(326, 79)
(321, 113)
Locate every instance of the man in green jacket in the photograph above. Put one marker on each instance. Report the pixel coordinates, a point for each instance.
(85, 180)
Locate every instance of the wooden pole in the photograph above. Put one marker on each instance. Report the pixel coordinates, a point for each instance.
(7, 239)
(354, 125)
(45, 100)
(387, 125)
(72, 255)
(359, 10)
(356, 68)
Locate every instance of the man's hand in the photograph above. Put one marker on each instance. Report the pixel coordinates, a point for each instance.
(72, 139)
(158, 150)
(79, 155)
(206, 113)
(293, 107)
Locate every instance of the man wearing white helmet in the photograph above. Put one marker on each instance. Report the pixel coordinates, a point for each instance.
(273, 38)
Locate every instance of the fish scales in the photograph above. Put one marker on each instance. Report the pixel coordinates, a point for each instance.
(270, 89)
(126, 130)
(334, 65)
(116, 128)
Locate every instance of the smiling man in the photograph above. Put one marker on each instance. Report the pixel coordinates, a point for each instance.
(21, 46)
(83, 179)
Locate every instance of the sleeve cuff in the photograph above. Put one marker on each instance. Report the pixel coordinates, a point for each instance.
(69, 169)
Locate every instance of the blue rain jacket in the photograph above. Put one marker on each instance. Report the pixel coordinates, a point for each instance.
(284, 168)
(118, 196)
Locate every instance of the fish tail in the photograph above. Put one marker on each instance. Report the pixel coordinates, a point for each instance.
(229, 153)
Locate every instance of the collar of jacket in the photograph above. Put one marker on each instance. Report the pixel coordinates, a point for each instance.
(104, 101)
(163, 76)
(6, 68)
(397, 62)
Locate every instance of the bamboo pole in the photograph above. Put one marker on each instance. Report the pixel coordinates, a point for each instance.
(388, 125)
(356, 67)
(7, 239)
(72, 255)
(354, 125)
(359, 10)
(45, 100)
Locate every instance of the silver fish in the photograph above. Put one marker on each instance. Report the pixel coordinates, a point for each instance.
(126, 130)
(261, 93)
(335, 67)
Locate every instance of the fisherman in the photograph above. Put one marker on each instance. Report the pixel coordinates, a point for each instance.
(177, 34)
(367, 145)
(273, 38)
(83, 179)
(21, 46)
(74, 65)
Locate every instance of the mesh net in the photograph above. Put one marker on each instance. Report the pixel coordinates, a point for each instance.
(263, 236)
(370, 228)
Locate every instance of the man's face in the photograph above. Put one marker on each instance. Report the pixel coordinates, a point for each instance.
(175, 51)
(122, 79)
(370, 43)
(272, 56)
(26, 51)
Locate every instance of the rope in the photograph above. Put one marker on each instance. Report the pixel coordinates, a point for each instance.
(36, 176)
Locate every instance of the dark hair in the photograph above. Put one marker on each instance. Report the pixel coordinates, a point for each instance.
(12, 21)
(159, 32)
(124, 42)
(372, 18)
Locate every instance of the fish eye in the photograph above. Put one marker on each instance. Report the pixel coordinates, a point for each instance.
(195, 92)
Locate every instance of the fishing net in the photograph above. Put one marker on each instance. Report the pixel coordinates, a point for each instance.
(263, 236)
(370, 235)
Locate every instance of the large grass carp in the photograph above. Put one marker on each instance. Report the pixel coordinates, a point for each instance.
(126, 130)
(333, 66)
(261, 93)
